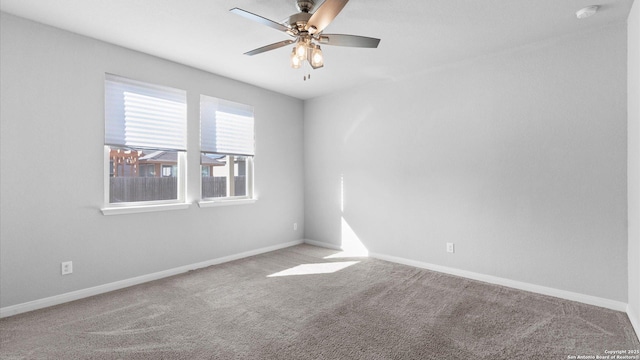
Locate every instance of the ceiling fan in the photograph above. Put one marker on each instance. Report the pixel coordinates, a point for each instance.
(306, 30)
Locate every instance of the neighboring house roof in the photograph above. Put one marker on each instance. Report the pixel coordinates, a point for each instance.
(160, 157)
(172, 157)
(209, 160)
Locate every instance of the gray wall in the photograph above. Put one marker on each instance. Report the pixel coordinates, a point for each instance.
(633, 160)
(519, 158)
(52, 169)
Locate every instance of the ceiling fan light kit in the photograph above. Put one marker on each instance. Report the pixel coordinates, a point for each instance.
(306, 50)
(307, 30)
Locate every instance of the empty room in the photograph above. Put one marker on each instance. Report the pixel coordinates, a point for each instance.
(320, 179)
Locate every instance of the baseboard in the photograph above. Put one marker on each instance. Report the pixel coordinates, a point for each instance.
(567, 295)
(96, 290)
(323, 244)
(101, 289)
(633, 317)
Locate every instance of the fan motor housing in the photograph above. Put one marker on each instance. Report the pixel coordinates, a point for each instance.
(299, 20)
(305, 5)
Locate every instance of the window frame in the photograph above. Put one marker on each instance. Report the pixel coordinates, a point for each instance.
(133, 207)
(118, 208)
(249, 197)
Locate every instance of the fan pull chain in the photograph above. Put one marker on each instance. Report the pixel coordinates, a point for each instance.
(308, 76)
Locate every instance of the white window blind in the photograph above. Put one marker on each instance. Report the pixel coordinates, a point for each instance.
(226, 127)
(141, 115)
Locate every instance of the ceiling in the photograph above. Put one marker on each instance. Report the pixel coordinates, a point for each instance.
(416, 34)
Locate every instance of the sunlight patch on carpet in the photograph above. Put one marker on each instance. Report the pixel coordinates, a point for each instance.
(310, 269)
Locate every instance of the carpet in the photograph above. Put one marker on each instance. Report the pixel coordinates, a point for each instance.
(303, 303)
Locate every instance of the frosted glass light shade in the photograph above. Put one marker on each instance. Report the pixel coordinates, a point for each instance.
(317, 60)
(295, 60)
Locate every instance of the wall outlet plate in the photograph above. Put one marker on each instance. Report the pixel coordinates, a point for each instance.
(66, 267)
(450, 248)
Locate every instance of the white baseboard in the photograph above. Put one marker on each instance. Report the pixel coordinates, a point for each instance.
(323, 244)
(96, 290)
(100, 289)
(567, 295)
(562, 294)
(635, 322)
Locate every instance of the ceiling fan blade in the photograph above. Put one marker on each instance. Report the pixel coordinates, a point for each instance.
(269, 47)
(348, 40)
(259, 19)
(325, 15)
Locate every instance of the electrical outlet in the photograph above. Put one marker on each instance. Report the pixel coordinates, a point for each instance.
(295, 226)
(66, 267)
(450, 248)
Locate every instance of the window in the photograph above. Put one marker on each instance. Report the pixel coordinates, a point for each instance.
(169, 170)
(227, 145)
(148, 170)
(145, 142)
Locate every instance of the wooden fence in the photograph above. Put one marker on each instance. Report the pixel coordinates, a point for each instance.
(215, 186)
(128, 189)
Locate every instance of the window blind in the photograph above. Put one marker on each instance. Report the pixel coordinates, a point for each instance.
(226, 127)
(141, 115)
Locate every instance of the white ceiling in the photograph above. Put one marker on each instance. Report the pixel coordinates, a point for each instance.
(416, 34)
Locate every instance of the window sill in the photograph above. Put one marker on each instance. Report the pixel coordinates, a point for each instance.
(228, 202)
(120, 210)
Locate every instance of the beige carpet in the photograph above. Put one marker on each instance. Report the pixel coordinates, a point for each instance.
(342, 308)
